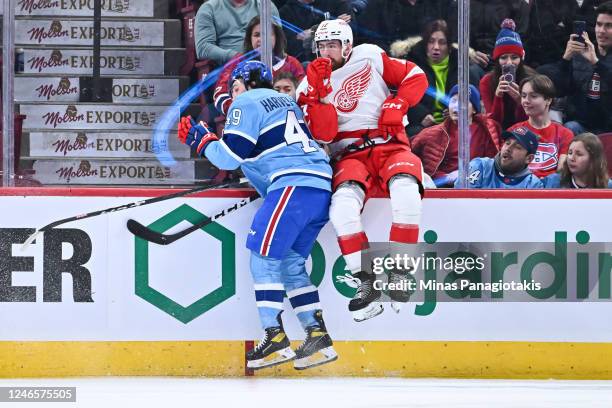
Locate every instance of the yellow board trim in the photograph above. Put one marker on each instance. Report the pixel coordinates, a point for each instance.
(416, 359)
(134, 358)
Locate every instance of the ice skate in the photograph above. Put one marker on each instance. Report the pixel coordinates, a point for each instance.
(401, 292)
(317, 348)
(365, 304)
(272, 350)
(403, 285)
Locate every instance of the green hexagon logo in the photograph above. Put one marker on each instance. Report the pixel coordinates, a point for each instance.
(206, 302)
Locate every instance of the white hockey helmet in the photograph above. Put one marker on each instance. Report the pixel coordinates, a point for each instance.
(336, 30)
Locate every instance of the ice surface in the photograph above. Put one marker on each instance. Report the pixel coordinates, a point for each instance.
(118, 392)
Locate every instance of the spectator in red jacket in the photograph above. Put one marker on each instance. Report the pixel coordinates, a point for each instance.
(537, 93)
(252, 40)
(500, 93)
(438, 146)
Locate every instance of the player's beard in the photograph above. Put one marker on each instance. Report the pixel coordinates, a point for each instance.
(337, 64)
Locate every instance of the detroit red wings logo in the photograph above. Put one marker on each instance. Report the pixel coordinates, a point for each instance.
(352, 89)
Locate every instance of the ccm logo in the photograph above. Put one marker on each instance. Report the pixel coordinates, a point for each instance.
(391, 105)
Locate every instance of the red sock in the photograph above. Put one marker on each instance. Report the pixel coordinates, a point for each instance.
(353, 243)
(404, 233)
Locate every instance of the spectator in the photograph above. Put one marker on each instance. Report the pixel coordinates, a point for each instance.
(586, 10)
(537, 93)
(509, 168)
(252, 40)
(438, 59)
(586, 166)
(585, 76)
(550, 23)
(438, 146)
(501, 96)
(306, 14)
(220, 26)
(285, 82)
(485, 18)
(384, 21)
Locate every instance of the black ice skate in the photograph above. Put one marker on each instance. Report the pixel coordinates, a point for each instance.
(273, 349)
(364, 304)
(399, 280)
(317, 348)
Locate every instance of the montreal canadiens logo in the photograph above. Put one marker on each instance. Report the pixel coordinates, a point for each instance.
(352, 89)
(547, 157)
(520, 131)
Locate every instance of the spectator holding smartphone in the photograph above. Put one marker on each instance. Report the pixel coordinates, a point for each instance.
(486, 17)
(500, 94)
(586, 165)
(537, 93)
(584, 75)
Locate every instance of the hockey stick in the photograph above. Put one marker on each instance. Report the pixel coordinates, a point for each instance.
(54, 224)
(143, 232)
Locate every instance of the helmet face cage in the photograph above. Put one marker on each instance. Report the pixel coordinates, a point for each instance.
(330, 30)
(251, 71)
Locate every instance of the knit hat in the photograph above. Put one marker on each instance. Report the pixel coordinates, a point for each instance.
(508, 41)
(474, 96)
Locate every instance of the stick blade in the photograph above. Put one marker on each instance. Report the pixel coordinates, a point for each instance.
(143, 232)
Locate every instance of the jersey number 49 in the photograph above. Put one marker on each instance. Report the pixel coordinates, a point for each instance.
(295, 134)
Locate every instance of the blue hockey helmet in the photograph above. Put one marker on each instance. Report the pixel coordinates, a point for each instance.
(255, 74)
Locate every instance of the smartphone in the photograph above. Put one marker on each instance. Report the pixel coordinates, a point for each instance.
(579, 28)
(508, 73)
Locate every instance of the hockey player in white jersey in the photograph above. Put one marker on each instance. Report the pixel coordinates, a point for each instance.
(348, 103)
(265, 135)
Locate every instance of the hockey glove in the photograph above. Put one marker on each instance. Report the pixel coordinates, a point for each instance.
(319, 74)
(195, 135)
(392, 115)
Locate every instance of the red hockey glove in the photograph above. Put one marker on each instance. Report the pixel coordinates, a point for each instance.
(195, 135)
(319, 74)
(392, 115)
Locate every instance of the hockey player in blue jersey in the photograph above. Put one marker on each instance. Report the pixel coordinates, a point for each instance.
(265, 135)
(510, 167)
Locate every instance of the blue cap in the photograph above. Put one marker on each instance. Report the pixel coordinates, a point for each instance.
(474, 95)
(525, 137)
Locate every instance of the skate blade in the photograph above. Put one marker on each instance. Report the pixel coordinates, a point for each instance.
(373, 310)
(323, 356)
(396, 306)
(276, 358)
